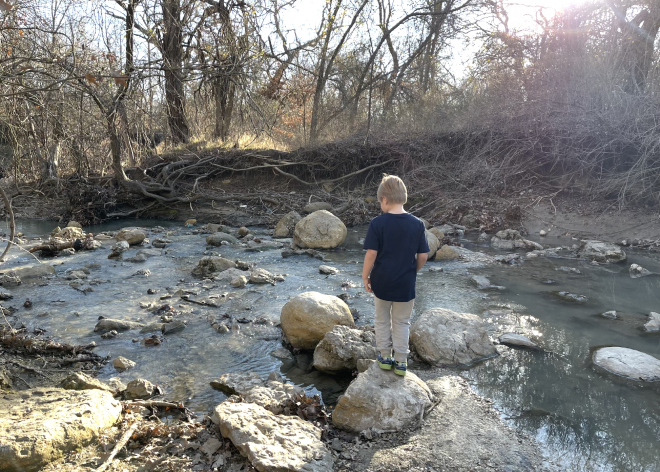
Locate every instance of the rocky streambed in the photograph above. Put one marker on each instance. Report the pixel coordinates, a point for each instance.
(261, 338)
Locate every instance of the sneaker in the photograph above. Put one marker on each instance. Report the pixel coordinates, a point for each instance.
(400, 368)
(385, 364)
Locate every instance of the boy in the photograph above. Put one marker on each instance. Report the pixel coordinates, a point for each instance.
(396, 250)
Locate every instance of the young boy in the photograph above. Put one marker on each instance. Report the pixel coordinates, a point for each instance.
(396, 250)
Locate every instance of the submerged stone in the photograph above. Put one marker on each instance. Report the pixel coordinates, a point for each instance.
(634, 365)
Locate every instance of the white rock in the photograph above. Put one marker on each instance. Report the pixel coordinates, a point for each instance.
(379, 399)
(328, 270)
(543, 232)
(239, 282)
(270, 442)
(612, 315)
(138, 389)
(514, 339)
(320, 229)
(483, 283)
(446, 338)
(122, 364)
(132, 236)
(509, 239)
(286, 225)
(654, 322)
(341, 348)
(628, 363)
(637, 271)
(261, 276)
(239, 383)
(601, 252)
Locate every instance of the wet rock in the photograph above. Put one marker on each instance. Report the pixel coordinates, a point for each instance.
(571, 270)
(341, 348)
(132, 236)
(571, 297)
(258, 245)
(288, 252)
(109, 324)
(628, 363)
(261, 276)
(509, 239)
(447, 253)
(437, 233)
(281, 353)
(316, 206)
(137, 258)
(68, 233)
(482, 283)
(243, 231)
(445, 338)
(5, 295)
(82, 381)
(142, 273)
(117, 249)
(271, 442)
(40, 425)
(320, 229)
(160, 243)
(653, 324)
(601, 252)
(637, 271)
(483, 237)
(148, 253)
(209, 265)
(286, 225)
(378, 399)
(67, 252)
(110, 334)
(307, 317)
(239, 282)
(229, 275)
(328, 270)
(507, 258)
(34, 272)
(434, 244)
(121, 364)
(76, 275)
(543, 232)
(517, 340)
(238, 383)
(216, 239)
(609, 314)
(139, 389)
(173, 327)
(151, 327)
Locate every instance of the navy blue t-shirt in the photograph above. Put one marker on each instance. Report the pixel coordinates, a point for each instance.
(397, 238)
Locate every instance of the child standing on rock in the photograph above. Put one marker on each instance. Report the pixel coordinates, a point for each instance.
(396, 250)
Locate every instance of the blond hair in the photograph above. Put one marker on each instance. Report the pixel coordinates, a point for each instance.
(392, 188)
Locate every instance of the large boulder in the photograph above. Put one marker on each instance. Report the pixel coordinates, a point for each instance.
(447, 253)
(442, 337)
(286, 225)
(601, 252)
(510, 239)
(139, 389)
(132, 236)
(321, 229)
(216, 239)
(40, 425)
(437, 233)
(341, 348)
(307, 317)
(628, 363)
(653, 324)
(209, 265)
(273, 443)
(379, 399)
(434, 243)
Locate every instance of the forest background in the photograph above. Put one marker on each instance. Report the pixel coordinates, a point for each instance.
(153, 101)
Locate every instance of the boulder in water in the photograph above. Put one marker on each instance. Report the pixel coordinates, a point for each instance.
(132, 236)
(628, 363)
(517, 340)
(447, 253)
(121, 364)
(139, 389)
(381, 400)
(209, 265)
(601, 252)
(341, 348)
(654, 322)
(510, 239)
(446, 338)
(307, 317)
(320, 229)
(216, 239)
(286, 225)
(637, 271)
(108, 324)
(609, 315)
(483, 283)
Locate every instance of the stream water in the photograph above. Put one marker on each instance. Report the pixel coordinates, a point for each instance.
(584, 419)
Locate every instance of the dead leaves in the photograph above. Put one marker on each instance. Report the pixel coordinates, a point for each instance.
(120, 79)
(5, 6)
(91, 79)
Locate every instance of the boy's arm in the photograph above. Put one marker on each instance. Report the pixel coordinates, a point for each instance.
(421, 260)
(369, 259)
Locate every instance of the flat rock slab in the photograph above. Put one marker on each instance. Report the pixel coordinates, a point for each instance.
(628, 363)
(517, 340)
(39, 425)
(271, 442)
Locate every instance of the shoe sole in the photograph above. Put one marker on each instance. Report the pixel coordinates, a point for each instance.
(384, 366)
(402, 373)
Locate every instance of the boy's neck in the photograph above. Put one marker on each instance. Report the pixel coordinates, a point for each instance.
(396, 209)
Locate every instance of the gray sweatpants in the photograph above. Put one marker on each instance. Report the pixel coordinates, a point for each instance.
(392, 326)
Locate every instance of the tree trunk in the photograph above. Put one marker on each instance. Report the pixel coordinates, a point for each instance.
(224, 90)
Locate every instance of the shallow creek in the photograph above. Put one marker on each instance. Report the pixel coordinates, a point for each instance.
(584, 419)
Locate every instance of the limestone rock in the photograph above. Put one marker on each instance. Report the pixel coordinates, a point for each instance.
(117, 249)
(274, 396)
(34, 272)
(108, 324)
(517, 340)
(211, 264)
(307, 317)
(229, 274)
(434, 243)
(238, 383)
(139, 389)
(173, 327)
(320, 229)
(328, 270)
(447, 253)
(68, 233)
(483, 283)
(571, 297)
(378, 399)
(446, 338)
(437, 233)
(637, 271)
(121, 364)
(601, 252)
(82, 381)
(259, 245)
(509, 239)
(239, 281)
(132, 236)
(261, 276)
(612, 315)
(148, 253)
(628, 363)
(74, 224)
(654, 322)
(10, 279)
(40, 425)
(286, 225)
(273, 443)
(5, 380)
(216, 239)
(341, 348)
(316, 206)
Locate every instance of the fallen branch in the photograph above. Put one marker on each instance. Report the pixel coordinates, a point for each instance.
(29, 369)
(120, 444)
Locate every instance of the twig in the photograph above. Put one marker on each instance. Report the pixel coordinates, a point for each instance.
(29, 369)
(120, 444)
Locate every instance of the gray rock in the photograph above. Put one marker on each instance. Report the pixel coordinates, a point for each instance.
(113, 333)
(40, 425)
(109, 324)
(628, 363)
(229, 274)
(434, 243)
(601, 252)
(121, 364)
(261, 276)
(216, 239)
(281, 353)
(364, 364)
(209, 265)
(447, 253)
(239, 282)
(609, 314)
(82, 381)
(445, 338)
(263, 245)
(653, 324)
(571, 297)
(237, 383)
(320, 229)
(378, 399)
(270, 442)
(76, 275)
(286, 225)
(67, 252)
(509, 240)
(482, 283)
(143, 272)
(139, 389)
(517, 340)
(5, 380)
(149, 253)
(118, 249)
(328, 270)
(341, 348)
(316, 206)
(132, 236)
(33, 272)
(173, 327)
(137, 258)
(274, 395)
(637, 271)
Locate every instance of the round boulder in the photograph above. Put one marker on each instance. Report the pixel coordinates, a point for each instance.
(434, 243)
(132, 236)
(628, 363)
(447, 253)
(321, 229)
(286, 225)
(307, 317)
(341, 348)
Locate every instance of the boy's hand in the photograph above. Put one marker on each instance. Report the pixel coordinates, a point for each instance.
(367, 284)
